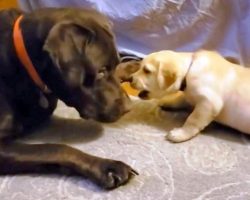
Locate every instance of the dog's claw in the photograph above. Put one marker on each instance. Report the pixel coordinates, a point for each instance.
(134, 172)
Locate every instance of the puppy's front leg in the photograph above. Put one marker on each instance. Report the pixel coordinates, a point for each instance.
(203, 114)
(174, 102)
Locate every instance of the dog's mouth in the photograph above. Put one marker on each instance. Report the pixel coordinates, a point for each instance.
(114, 113)
(144, 94)
(102, 117)
(105, 115)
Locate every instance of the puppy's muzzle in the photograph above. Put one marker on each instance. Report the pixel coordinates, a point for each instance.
(129, 79)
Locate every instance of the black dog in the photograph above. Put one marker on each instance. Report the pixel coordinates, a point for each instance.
(74, 53)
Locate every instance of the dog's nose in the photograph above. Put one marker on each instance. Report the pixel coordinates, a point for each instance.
(127, 103)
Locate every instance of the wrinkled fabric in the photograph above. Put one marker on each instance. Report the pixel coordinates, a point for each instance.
(144, 26)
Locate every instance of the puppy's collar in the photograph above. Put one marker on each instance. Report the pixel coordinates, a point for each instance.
(24, 58)
(184, 82)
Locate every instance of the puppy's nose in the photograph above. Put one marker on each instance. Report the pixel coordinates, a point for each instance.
(144, 94)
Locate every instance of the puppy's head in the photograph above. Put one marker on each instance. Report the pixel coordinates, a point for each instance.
(84, 52)
(160, 73)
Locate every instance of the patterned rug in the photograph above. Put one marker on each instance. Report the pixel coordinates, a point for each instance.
(215, 165)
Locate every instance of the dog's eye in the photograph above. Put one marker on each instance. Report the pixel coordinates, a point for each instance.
(101, 73)
(146, 70)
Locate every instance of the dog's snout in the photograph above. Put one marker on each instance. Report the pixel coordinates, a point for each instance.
(127, 106)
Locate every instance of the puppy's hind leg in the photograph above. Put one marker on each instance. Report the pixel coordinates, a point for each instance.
(203, 114)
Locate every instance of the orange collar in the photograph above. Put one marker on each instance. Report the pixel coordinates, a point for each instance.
(24, 57)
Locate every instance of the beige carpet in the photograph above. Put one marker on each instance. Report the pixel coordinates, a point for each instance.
(215, 165)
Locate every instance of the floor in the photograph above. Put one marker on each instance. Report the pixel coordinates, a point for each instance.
(215, 165)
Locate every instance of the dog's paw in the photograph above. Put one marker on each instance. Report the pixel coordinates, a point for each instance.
(178, 135)
(111, 174)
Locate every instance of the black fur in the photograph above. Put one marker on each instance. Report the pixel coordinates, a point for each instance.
(68, 47)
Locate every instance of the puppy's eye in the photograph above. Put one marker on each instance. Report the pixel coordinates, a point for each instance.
(146, 70)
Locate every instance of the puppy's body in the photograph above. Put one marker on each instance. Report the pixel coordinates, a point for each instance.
(216, 88)
(220, 80)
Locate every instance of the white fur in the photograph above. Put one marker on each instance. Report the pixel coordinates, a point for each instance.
(217, 89)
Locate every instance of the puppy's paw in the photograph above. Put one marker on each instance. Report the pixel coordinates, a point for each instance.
(178, 135)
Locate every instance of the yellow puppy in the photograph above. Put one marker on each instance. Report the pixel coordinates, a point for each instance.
(216, 88)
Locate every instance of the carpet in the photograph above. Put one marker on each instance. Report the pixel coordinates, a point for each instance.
(215, 165)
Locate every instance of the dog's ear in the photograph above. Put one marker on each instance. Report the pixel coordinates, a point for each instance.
(66, 44)
(125, 69)
(166, 76)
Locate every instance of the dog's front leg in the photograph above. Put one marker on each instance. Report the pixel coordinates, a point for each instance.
(31, 158)
(8, 124)
(203, 114)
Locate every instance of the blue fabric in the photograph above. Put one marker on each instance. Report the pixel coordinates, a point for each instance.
(144, 26)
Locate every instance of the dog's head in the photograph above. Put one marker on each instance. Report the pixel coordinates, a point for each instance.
(84, 51)
(160, 73)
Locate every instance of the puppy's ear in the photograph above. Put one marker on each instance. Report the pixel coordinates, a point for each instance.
(166, 76)
(233, 60)
(66, 44)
